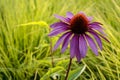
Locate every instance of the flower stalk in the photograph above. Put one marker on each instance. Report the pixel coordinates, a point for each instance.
(68, 70)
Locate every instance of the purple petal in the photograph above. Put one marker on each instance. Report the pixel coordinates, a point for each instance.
(74, 48)
(65, 43)
(60, 40)
(95, 25)
(58, 31)
(92, 44)
(69, 15)
(62, 19)
(104, 38)
(97, 38)
(81, 12)
(78, 55)
(57, 24)
(99, 30)
(90, 18)
(82, 46)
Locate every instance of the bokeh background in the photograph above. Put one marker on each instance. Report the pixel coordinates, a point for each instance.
(25, 48)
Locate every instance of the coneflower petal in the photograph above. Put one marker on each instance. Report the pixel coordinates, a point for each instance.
(73, 46)
(65, 43)
(58, 31)
(60, 40)
(69, 15)
(97, 38)
(82, 46)
(96, 23)
(78, 54)
(81, 12)
(99, 30)
(95, 26)
(57, 24)
(62, 18)
(61, 27)
(102, 36)
(92, 44)
(90, 18)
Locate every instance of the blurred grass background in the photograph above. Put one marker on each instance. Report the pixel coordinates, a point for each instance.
(25, 48)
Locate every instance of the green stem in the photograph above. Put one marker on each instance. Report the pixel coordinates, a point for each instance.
(51, 51)
(68, 69)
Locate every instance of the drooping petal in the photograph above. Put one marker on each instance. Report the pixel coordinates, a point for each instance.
(65, 43)
(97, 38)
(57, 24)
(61, 27)
(60, 40)
(74, 48)
(82, 46)
(58, 31)
(92, 44)
(95, 25)
(102, 36)
(62, 19)
(99, 30)
(78, 54)
(69, 15)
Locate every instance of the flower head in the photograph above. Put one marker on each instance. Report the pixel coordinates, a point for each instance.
(80, 32)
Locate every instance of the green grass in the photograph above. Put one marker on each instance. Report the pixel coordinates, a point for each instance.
(25, 48)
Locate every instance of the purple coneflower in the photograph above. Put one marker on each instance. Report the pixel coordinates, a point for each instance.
(80, 32)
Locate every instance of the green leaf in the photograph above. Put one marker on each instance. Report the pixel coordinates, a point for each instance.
(52, 71)
(76, 73)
